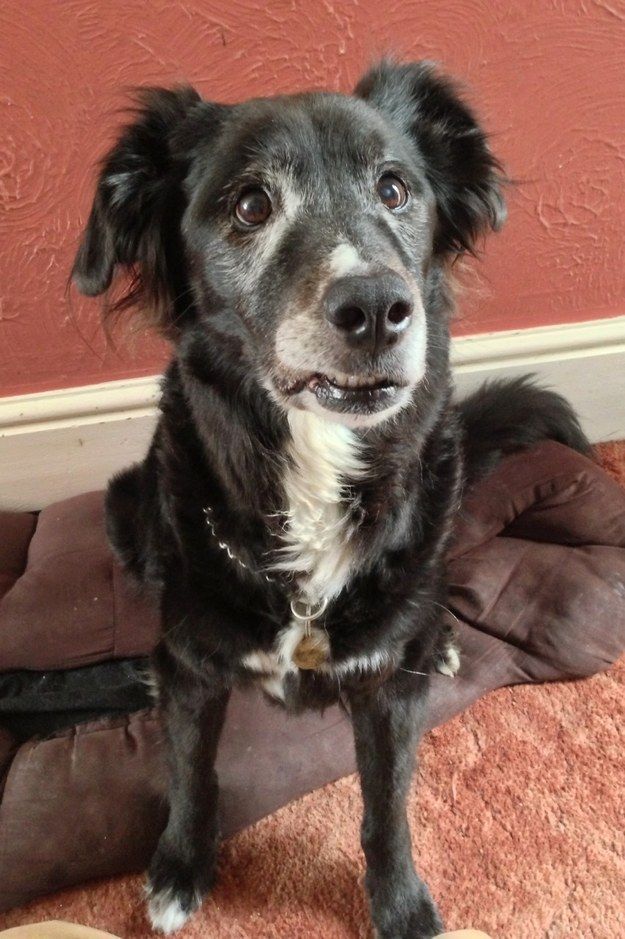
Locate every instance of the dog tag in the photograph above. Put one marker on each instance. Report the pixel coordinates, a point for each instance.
(312, 650)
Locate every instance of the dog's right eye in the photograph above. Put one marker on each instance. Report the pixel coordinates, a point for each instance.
(392, 191)
(253, 208)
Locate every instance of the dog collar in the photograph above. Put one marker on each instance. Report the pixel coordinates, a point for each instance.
(313, 649)
(208, 515)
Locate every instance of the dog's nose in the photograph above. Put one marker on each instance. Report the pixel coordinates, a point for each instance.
(370, 311)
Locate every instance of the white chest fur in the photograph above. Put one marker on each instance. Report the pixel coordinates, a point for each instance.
(323, 458)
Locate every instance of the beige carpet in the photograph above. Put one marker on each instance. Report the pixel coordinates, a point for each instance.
(518, 819)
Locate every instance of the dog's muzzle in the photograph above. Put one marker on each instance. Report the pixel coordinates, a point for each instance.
(357, 360)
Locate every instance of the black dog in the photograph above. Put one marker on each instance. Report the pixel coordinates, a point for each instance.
(296, 502)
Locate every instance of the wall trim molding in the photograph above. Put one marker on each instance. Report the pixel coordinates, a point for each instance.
(56, 444)
(536, 344)
(86, 404)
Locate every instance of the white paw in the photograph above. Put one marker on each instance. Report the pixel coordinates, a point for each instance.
(165, 911)
(449, 662)
(150, 681)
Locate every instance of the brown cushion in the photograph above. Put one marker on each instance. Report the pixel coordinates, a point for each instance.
(17, 529)
(72, 605)
(537, 574)
(90, 802)
(79, 805)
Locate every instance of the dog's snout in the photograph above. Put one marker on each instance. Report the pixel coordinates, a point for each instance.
(370, 311)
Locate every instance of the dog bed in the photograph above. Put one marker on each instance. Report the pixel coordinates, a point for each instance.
(537, 573)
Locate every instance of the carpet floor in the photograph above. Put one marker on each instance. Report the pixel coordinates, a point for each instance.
(518, 822)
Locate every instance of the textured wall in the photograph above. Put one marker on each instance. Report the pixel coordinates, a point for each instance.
(548, 76)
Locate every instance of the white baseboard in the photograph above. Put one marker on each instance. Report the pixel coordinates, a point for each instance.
(60, 443)
(583, 361)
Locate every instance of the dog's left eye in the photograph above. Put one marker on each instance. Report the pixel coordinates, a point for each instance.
(253, 207)
(392, 191)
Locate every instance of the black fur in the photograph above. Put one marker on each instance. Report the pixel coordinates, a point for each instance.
(505, 415)
(165, 210)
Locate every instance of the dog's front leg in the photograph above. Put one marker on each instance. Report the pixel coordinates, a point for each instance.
(182, 869)
(387, 726)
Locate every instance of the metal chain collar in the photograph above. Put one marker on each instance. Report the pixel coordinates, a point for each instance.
(208, 514)
(301, 609)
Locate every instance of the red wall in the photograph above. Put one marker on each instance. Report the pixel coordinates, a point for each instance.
(548, 77)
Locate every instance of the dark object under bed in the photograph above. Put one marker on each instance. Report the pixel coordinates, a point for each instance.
(537, 575)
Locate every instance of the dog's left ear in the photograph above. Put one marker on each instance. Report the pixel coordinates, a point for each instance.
(466, 177)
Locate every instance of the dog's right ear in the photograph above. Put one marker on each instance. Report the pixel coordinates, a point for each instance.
(139, 201)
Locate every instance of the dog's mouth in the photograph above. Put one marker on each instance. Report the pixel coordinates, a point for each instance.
(353, 394)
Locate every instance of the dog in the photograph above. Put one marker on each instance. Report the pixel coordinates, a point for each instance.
(299, 494)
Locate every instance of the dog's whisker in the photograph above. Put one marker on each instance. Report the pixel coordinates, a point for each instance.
(447, 610)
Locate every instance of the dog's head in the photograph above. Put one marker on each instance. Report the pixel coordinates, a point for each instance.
(299, 230)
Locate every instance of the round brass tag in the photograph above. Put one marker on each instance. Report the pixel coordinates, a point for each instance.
(311, 651)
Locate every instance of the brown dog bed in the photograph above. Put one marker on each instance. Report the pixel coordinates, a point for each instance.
(537, 576)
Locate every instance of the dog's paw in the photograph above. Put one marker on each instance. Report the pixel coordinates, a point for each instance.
(168, 911)
(175, 889)
(406, 912)
(447, 662)
(423, 922)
